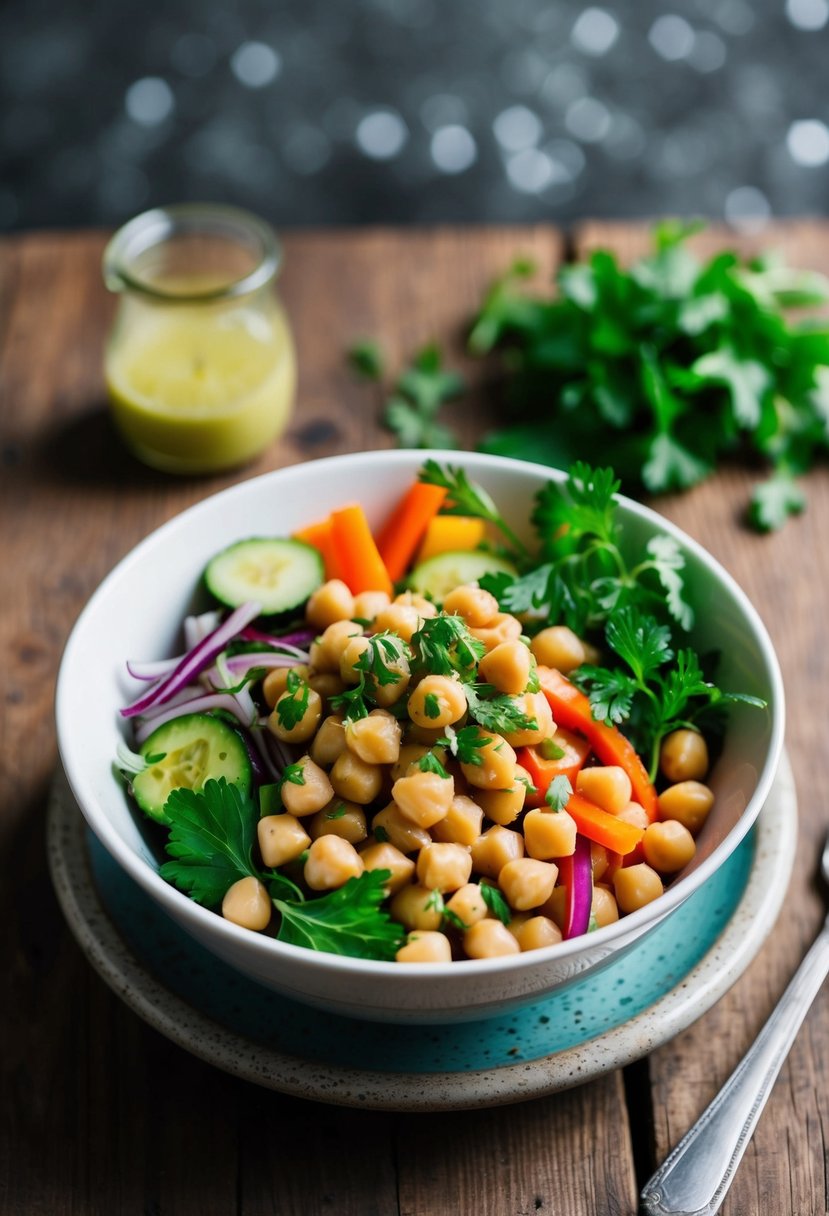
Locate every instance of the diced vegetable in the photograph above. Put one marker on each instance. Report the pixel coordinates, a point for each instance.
(362, 567)
(448, 533)
(404, 530)
(598, 825)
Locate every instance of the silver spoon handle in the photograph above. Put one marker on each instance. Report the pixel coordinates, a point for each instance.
(694, 1179)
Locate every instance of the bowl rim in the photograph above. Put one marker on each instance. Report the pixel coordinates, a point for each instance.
(180, 905)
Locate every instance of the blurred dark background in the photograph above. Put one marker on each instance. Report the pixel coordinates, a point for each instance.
(356, 111)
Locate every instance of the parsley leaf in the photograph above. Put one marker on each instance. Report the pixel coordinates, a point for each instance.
(465, 743)
(211, 840)
(558, 793)
(411, 411)
(366, 359)
(466, 497)
(444, 646)
(500, 713)
(294, 773)
(349, 920)
(291, 706)
(496, 903)
(429, 763)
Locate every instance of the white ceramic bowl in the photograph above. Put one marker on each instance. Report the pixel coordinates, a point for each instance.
(137, 613)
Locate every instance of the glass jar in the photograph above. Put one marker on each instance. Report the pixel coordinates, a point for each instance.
(200, 363)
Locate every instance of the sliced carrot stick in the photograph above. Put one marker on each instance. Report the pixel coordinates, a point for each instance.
(404, 530)
(320, 536)
(596, 824)
(571, 709)
(361, 565)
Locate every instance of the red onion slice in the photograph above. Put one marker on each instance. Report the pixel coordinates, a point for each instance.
(196, 705)
(195, 661)
(577, 875)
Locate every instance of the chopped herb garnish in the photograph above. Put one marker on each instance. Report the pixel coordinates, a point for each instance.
(465, 743)
(452, 919)
(559, 792)
(381, 835)
(294, 773)
(444, 646)
(349, 920)
(429, 763)
(431, 705)
(496, 903)
(337, 812)
(498, 712)
(293, 704)
(548, 749)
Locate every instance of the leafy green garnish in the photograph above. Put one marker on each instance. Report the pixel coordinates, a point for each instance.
(559, 792)
(497, 712)
(411, 411)
(665, 368)
(444, 646)
(347, 921)
(496, 903)
(431, 705)
(548, 749)
(465, 497)
(429, 763)
(294, 773)
(464, 743)
(291, 707)
(377, 666)
(366, 358)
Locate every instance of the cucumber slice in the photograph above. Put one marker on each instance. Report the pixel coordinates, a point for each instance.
(439, 575)
(187, 752)
(279, 574)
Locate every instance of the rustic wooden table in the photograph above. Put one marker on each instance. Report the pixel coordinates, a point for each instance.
(102, 1115)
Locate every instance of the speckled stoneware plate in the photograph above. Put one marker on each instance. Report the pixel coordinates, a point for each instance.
(605, 1021)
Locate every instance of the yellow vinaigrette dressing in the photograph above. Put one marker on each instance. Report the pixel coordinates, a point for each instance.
(201, 372)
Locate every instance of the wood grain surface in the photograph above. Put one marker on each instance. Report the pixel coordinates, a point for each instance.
(100, 1115)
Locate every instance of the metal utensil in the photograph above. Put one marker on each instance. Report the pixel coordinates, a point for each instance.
(696, 1176)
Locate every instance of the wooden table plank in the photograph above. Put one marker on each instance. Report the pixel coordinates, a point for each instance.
(786, 575)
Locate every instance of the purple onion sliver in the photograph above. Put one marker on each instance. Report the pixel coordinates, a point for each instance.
(300, 637)
(196, 705)
(195, 661)
(152, 670)
(580, 899)
(241, 663)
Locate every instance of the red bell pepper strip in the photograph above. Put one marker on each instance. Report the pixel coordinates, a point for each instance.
(543, 771)
(571, 709)
(596, 824)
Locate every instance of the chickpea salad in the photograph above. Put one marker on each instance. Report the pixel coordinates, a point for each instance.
(434, 743)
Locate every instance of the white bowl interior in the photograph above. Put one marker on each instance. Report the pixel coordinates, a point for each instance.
(137, 614)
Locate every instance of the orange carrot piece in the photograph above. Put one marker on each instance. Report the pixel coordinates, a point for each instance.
(362, 566)
(320, 536)
(404, 530)
(571, 709)
(596, 824)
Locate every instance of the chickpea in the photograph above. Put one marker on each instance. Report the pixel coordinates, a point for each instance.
(537, 708)
(331, 862)
(668, 846)
(355, 780)
(387, 694)
(555, 907)
(375, 739)
(501, 628)
(507, 666)
(437, 702)
(477, 607)
(603, 862)
(407, 761)
(329, 741)
(688, 803)
(496, 847)
(281, 838)
(604, 908)
(489, 939)
(461, 824)
(636, 886)
(558, 647)
(412, 599)
(683, 756)
(549, 834)
(424, 798)
(339, 818)
(504, 806)
(247, 903)
(331, 602)
(302, 730)
(276, 681)
(444, 867)
(325, 653)
(417, 907)
(425, 947)
(527, 883)
(350, 656)
(327, 683)
(468, 905)
(402, 619)
(607, 785)
(368, 603)
(635, 814)
(401, 831)
(387, 857)
(309, 795)
(497, 768)
(536, 932)
(422, 734)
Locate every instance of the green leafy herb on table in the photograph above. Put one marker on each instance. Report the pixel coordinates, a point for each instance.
(211, 841)
(411, 410)
(467, 498)
(665, 368)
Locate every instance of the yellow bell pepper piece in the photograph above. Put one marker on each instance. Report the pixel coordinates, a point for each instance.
(449, 534)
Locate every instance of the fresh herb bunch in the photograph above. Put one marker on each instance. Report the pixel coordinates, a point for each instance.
(211, 841)
(411, 410)
(665, 368)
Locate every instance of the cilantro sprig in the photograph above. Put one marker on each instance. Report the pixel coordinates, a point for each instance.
(411, 409)
(211, 846)
(666, 368)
